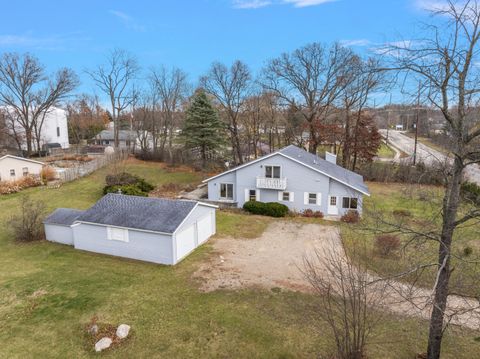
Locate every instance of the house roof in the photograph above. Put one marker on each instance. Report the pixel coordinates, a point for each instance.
(143, 213)
(329, 169)
(22, 159)
(123, 135)
(63, 216)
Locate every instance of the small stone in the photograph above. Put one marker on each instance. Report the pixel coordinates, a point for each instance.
(122, 331)
(93, 329)
(103, 344)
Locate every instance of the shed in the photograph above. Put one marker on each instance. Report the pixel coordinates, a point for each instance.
(58, 225)
(150, 229)
(13, 168)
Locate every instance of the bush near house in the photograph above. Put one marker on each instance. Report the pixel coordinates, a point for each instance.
(308, 213)
(351, 216)
(17, 186)
(128, 184)
(48, 174)
(271, 209)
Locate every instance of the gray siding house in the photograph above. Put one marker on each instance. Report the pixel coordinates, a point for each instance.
(150, 229)
(294, 177)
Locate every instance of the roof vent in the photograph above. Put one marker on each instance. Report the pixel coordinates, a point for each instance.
(330, 157)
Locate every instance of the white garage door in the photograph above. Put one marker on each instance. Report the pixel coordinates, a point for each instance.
(185, 241)
(205, 228)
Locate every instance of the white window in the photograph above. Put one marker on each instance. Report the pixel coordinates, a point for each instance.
(333, 201)
(272, 171)
(311, 198)
(117, 234)
(25, 171)
(12, 173)
(226, 191)
(285, 196)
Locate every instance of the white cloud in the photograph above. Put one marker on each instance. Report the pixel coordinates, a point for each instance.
(128, 21)
(51, 42)
(305, 3)
(250, 4)
(355, 42)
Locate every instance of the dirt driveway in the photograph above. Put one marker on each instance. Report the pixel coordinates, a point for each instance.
(275, 260)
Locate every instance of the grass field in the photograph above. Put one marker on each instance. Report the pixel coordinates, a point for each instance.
(385, 151)
(49, 292)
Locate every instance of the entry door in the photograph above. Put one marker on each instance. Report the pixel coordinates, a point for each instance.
(332, 205)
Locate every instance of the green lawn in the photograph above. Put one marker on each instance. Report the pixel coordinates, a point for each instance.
(48, 292)
(385, 151)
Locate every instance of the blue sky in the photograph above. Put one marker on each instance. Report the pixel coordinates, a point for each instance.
(190, 34)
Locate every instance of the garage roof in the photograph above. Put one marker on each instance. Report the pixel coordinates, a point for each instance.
(143, 213)
(63, 216)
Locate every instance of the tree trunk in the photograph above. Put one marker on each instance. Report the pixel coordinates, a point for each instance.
(312, 144)
(28, 138)
(450, 207)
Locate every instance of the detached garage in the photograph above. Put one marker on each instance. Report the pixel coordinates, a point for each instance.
(150, 229)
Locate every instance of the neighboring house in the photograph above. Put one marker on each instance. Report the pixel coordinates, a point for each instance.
(149, 229)
(294, 177)
(126, 138)
(13, 168)
(399, 127)
(54, 130)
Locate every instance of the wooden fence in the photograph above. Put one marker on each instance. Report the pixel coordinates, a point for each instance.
(71, 174)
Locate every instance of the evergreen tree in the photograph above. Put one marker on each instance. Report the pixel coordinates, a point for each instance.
(203, 128)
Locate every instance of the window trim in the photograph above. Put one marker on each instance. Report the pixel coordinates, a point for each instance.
(279, 166)
(350, 200)
(226, 191)
(25, 173)
(12, 172)
(310, 198)
(250, 195)
(112, 236)
(333, 204)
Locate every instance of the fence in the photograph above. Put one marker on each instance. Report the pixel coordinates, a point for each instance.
(71, 174)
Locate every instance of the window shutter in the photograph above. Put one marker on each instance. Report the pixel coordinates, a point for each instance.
(292, 196)
(280, 195)
(257, 195)
(247, 195)
(319, 199)
(305, 197)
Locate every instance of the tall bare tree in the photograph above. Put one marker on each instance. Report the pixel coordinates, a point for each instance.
(311, 80)
(28, 93)
(445, 64)
(85, 118)
(230, 87)
(115, 78)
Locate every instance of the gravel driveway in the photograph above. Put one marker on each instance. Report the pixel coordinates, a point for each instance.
(275, 260)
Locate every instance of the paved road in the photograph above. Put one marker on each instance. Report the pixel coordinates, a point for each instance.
(427, 154)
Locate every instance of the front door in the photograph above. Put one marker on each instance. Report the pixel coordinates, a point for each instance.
(332, 206)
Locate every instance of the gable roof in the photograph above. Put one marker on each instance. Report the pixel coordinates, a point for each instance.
(123, 135)
(22, 159)
(63, 216)
(329, 169)
(143, 213)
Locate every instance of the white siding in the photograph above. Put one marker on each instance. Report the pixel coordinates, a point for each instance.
(59, 234)
(17, 164)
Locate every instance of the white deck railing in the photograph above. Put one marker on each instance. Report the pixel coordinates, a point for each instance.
(272, 183)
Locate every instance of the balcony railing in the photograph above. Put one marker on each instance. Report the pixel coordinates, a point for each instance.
(272, 183)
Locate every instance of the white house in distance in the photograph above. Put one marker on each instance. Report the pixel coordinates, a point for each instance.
(294, 177)
(155, 230)
(13, 168)
(54, 129)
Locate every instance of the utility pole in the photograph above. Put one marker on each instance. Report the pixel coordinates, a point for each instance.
(388, 118)
(416, 127)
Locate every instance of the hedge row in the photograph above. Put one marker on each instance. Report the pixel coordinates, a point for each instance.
(271, 209)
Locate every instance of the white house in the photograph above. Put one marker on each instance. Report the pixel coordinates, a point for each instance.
(54, 129)
(155, 230)
(13, 168)
(294, 177)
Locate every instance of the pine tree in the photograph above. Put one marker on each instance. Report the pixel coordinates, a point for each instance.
(203, 128)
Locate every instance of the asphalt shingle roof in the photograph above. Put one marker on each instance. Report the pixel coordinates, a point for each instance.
(152, 214)
(63, 216)
(331, 169)
(123, 135)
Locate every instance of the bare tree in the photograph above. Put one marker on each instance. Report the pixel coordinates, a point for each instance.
(172, 88)
(28, 94)
(230, 87)
(85, 118)
(311, 80)
(445, 65)
(116, 79)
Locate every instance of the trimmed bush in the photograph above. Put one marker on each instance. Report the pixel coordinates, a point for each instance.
(308, 213)
(351, 216)
(272, 209)
(386, 244)
(128, 184)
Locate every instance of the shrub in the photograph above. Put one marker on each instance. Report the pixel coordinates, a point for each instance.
(386, 244)
(402, 213)
(272, 209)
(471, 192)
(312, 214)
(128, 189)
(29, 181)
(351, 216)
(467, 251)
(9, 187)
(48, 174)
(27, 225)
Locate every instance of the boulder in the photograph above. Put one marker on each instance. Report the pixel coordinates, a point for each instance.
(122, 331)
(103, 344)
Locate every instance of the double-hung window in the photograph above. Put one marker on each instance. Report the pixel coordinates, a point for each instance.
(252, 195)
(226, 191)
(312, 198)
(272, 171)
(350, 203)
(25, 171)
(12, 173)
